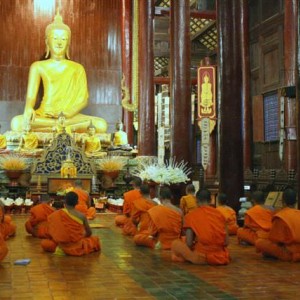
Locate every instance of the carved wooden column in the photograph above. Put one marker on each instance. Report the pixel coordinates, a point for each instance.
(146, 131)
(229, 15)
(290, 55)
(246, 112)
(180, 82)
(126, 62)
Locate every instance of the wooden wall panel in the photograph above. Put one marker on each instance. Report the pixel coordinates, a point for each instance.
(95, 43)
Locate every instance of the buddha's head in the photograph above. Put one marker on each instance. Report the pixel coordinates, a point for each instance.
(58, 37)
(91, 129)
(119, 126)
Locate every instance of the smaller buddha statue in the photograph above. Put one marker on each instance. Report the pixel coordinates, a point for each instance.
(91, 144)
(68, 169)
(120, 136)
(2, 141)
(29, 141)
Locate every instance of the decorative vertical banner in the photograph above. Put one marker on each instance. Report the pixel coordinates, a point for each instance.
(161, 145)
(206, 109)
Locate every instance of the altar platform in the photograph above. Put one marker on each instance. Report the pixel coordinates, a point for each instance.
(123, 271)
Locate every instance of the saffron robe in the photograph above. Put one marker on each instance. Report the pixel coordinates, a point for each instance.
(139, 220)
(82, 206)
(3, 248)
(188, 203)
(258, 222)
(129, 197)
(164, 227)
(230, 217)
(68, 233)
(37, 224)
(7, 227)
(209, 227)
(284, 238)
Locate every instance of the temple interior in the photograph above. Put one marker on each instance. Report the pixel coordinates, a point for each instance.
(174, 92)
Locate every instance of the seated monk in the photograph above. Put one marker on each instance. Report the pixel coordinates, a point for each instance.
(258, 221)
(129, 197)
(188, 202)
(206, 235)
(164, 225)
(3, 248)
(283, 241)
(7, 227)
(120, 136)
(29, 142)
(139, 220)
(84, 201)
(65, 87)
(70, 231)
(37, 224)
(91, 144)
(228, 213)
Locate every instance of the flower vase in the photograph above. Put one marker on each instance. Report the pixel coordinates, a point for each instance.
(13, 176)
(113, 175)
(153, 186)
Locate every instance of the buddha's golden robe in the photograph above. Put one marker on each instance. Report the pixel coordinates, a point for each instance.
(120, 138)
(30, 140)
(2, 142)
(72, 97)
(92, 146)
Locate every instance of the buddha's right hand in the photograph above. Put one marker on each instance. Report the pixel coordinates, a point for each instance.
(29, 114)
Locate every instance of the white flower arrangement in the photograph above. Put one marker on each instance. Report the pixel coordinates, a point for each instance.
(168, 173)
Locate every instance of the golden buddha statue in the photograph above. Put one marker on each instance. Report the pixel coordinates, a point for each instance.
(68, 169)
(65, 87)
(29, 142)
(120, 136)
(206, 94)
(2, 141)
(91, 144)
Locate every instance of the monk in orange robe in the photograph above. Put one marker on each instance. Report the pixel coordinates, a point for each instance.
(3, 248)
(84, 201)
(228, 213)
(70, 231)
(165, 224)
(7, 227)
(37, 224)
(188, 202)
(206, 235)
(258, 221)
(284, 238)
(129, 197)
(139, 220)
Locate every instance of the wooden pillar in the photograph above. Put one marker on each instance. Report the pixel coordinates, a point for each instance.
(146, 130)
(180, 89)
(246, 104)
(126, 61)
(229, 15)
(290, 55)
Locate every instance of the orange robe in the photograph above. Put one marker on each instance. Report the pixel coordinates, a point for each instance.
(209, 227)
(3, 248)
(230, 216)
(68, 233)
(164, 227)
(284, 238)
(82, 206)
(138, 216)
(37, 224)
(188, 203)
(129, 197)
(7, 227)
(258, 221)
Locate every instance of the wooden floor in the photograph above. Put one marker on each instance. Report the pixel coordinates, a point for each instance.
(124, 271)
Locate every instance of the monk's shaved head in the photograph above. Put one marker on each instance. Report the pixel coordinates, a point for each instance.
(71, 199)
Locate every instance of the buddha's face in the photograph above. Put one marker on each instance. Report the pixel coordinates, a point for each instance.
(58, 42)
(92, 131)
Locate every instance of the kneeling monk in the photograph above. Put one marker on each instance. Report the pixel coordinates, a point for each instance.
(37, 224)
(70, 232)
(206, 235)
(7, 227)
(284, 238)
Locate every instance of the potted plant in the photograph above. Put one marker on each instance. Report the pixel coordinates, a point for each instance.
(14, 166)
